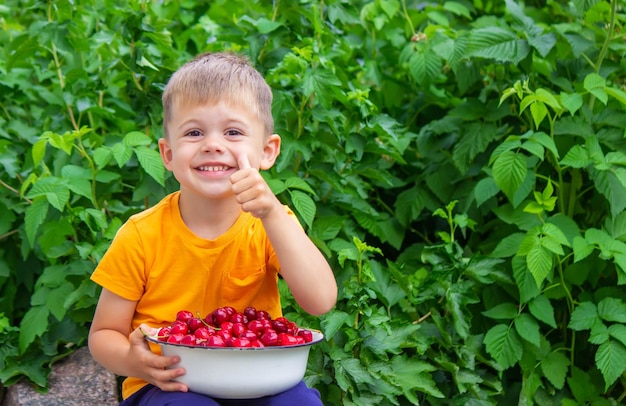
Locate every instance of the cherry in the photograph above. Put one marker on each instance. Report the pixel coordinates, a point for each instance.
(230, 310)
(204, 332)
(269, 338)
(256, 344)
(216, 341)
(208, 319)
(175, 338)
(241, 342)
(226, 336)
(179, 327)
(227, 326)
(286, 339)
(249, 335)
(184, 315)
(195, 323)
(279, 325)
(188, 339)
(266, 323)
(220, 315)
(250, 313)
(256, 326)
(238, 318)
(306, 334)
(263, 315)
(238, 329)
(164, 333)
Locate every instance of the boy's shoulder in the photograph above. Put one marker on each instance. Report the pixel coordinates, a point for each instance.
(156, 211)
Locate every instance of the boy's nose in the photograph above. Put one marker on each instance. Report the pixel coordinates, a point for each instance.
(212, 143)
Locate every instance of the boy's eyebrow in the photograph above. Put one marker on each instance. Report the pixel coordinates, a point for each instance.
(227, 121)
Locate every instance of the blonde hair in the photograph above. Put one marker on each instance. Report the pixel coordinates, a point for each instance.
(222, 76)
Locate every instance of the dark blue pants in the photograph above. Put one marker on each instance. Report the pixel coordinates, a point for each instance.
(150, 395)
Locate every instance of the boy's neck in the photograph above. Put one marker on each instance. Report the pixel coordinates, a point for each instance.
(208, 219)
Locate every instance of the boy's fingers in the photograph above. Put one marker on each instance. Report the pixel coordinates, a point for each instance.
(243, 161)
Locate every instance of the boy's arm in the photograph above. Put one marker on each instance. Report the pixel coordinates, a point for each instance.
(113, 346)
(302, 265)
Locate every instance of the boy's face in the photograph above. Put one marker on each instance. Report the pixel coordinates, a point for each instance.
(205, 141)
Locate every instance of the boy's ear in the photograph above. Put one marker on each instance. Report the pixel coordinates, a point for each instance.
(166, 153)
(271, 150)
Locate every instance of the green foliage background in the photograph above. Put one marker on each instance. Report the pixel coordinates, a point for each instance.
(461, 163)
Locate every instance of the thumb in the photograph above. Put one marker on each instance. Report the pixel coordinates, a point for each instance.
(140, 332)
(243, 161)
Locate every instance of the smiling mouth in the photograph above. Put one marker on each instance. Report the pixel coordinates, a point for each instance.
(218, 168)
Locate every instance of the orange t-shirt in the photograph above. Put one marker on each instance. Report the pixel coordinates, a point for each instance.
(157, 261)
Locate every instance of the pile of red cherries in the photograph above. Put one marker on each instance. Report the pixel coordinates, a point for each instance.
(227, 327)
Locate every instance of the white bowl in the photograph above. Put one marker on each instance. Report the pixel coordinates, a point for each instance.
(240, 373)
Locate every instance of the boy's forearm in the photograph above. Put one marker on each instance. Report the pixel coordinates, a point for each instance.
(110, 348)
(303, 266)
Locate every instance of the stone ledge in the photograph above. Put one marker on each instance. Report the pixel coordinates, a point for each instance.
(77, 380)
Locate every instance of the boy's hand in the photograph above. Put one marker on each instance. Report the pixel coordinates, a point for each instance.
(251, 190)
(151, 367)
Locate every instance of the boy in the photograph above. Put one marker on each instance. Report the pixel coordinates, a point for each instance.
(221, 240)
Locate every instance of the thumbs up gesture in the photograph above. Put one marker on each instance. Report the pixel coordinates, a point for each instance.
(251, 190)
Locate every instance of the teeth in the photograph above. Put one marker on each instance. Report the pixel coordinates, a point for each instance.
(213, 168)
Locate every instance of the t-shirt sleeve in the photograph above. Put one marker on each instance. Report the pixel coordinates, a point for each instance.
(122, 269)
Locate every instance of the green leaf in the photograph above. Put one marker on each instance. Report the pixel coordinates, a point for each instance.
(508, 246)
(612, 309)
(584, 316)
(617, 94)
(554, 368)
(524, 279)
(599, 333)
(356, 370)
(33, 325)
(136, 139)
(611, 361)
(509, 171)
(385, 285)
(304, 205)
(39, 151)
(528, 328)
(78, 179)
(503, 311)
(539, 261)
(484, 190)
(151, 162)
(35, 215)
(577, 157)
(595, 84)
(582, 249)
(582, 386)
(504, 345)
(497, 44)
(542, 309)
(102, 156)
(413, 374)
(56, 300)
(335, 320)
(121, 153)
(612, 188)
(295, 182)
(476, 138)
(425, 66)
(618, 331)
(572, 102)
(54, 189)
